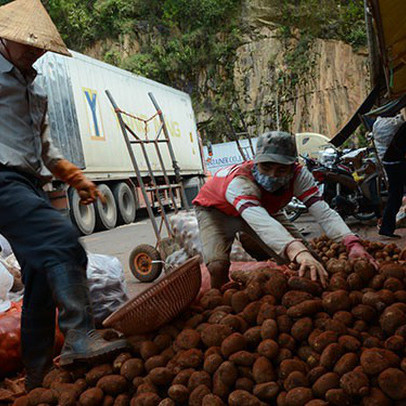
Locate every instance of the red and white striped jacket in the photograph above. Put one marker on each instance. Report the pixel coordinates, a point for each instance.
(214, 192)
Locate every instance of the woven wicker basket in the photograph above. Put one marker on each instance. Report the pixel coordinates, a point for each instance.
(160, 303)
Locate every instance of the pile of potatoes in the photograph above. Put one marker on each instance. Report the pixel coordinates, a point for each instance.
(279, 339)
(327, 249)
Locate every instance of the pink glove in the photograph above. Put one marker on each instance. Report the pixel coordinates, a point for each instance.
(356, 250)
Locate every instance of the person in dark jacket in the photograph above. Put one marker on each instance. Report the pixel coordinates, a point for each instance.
(395, 166)
(53, 262)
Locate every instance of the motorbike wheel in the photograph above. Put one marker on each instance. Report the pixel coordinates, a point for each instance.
(364, 216)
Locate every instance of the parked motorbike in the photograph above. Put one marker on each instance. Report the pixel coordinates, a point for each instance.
(350, 183)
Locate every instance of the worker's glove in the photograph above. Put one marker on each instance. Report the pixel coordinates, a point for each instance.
(356, 250)
(73, 176)
(298, 252)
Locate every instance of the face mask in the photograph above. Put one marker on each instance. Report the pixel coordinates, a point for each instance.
(268, 183)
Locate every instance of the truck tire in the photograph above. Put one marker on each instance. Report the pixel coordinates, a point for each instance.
(106, 214)
(126, 204)
(83, 217)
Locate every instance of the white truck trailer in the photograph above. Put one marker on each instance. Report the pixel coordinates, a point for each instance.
(85, 128)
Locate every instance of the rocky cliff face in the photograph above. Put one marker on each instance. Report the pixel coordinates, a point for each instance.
(328, 90)
(280, 81)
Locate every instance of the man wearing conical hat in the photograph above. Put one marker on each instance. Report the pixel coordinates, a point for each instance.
(53, 262)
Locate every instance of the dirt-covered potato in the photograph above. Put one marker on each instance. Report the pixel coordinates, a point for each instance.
(146, 399)
(161, 376)
(263, 370)
(212, 362)
(214, 334)
(317, 402)
(243, 398)
(188, 339)
(182, 378)
(148, 349)
(158, 360)
(338, 282)
(392, 381)
(212, 400)
(122, 400)
(250, 312)
(112, 384)
(328, 381)
(376, 398)
(131, 368)
(266, 311)
(268, 348)
(364, 270)
(244, 383)
(211, 299)
(287, 366)
(91, 397)
(197, 395)
(355, 282)
(306, 308)
(349, 343)
(392, 318)
(254, 290)
(299, 396)
(393, 270)
(243, 358)
(120, 359)
(266, 391)
(295, 379)
(295, 297)
(62, 376)
(302, 328)
(227, 373)
(308, 355)
(315, 373)
(336, 301)
(355, 383)
(190, 358)
(364, 312)
(34, 397)
(199, 378)
(233, 343)
(376, 360)
(179, 393)
(305, 285)
(393, 284)
(253, 336)
(147, 387)
(337, 397)
(321, 341)
(330, 355)
(395, 343)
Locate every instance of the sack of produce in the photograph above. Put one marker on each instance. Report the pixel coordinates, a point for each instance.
(106, 284)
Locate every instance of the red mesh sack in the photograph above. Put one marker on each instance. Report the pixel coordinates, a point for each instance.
(10, 340)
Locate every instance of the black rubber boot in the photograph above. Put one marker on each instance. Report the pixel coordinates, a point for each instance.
(88, 347)
(37, 346)
(82, 343)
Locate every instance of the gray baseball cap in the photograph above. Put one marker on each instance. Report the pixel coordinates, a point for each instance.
(276, 146)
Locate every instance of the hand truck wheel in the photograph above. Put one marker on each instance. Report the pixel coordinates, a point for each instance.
(145, 263)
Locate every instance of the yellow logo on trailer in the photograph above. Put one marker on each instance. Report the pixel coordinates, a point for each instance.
(93, 114)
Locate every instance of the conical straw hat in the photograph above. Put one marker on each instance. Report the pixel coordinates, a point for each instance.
(27, 22)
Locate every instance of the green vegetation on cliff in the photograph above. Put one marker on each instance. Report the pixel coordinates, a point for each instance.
(191, 44)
